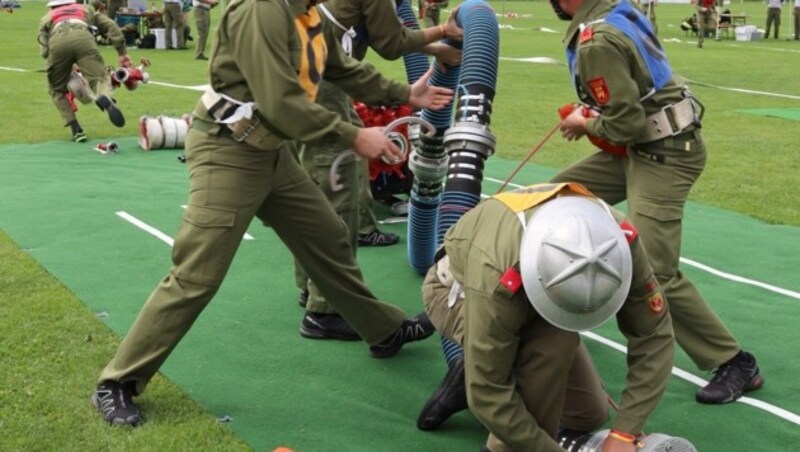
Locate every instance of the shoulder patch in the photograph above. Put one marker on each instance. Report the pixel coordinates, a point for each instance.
(629, 230)
(512, 280)
(599, 90)
(586, 35)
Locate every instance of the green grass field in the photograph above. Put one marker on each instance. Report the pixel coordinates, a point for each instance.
(51, 344)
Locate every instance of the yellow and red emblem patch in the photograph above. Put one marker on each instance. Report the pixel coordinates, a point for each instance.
(599, 90)
(656, 302)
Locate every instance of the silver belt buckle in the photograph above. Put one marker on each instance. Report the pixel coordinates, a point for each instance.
(254, 122)
(669, 115)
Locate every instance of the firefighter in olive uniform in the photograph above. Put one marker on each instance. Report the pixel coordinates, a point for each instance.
(263, 84)
(651, 123)
(520, 274)
(66, 40)
(647, 127)
(357, 26)
(430, 11)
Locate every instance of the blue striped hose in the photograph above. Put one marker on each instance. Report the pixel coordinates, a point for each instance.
(465, 148)
(416, 63)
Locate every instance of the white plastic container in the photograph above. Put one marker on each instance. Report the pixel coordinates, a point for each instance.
(745, 32)
(161, 42)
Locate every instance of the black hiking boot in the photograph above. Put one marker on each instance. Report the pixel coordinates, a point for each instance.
(114, 400)
(327, 326)
(450, 398)
(414, 329)
(737, 376)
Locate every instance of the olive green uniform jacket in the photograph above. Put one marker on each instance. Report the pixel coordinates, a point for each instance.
(71, 44)
(516, 362)
(263, 54)
(655, 178)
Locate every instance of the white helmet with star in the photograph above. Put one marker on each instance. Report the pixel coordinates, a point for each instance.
(575, 262)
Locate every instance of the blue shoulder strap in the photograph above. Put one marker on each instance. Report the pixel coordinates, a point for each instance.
(637, 27)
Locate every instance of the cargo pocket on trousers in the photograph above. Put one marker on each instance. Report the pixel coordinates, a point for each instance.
(204, 246)
(661, 212)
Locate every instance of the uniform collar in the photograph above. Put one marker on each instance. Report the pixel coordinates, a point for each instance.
(586, 8)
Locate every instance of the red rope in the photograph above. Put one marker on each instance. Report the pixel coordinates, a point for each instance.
(533, 151)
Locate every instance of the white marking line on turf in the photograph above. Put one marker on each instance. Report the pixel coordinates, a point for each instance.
(712, 270)
(680, 373)
(540, 60)
(246, 235)
(548, 60)
(745, 91)
(732, 277)
(13, 69)
(146, 227)
(172, 85)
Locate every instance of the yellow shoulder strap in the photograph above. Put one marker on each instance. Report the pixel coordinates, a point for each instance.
(524, 198)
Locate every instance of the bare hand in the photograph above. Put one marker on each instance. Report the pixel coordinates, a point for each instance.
(125, 61)
(573, 127)
(427, 96)
(452, 30)
(372, 143)
(445, 54)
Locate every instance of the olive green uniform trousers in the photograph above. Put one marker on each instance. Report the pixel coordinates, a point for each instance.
(173, 20)
(73, 44)
(230, 183)
(202, 20)
(352, 202)
(705, 21)
(656, 180)
(113, 8)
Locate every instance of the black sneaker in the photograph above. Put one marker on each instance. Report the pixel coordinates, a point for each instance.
(114, 401)
(378, 238)
(327, 326)
(450, 398)
(114, 114)
(302, 299)
(737, 376)
(414, 329)
(79, 137)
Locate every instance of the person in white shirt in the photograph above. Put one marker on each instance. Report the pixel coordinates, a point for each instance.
(773, 16)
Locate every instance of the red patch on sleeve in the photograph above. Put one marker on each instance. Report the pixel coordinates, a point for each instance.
(511, 279)
(586, 35)
(599, 90)
(630, 232)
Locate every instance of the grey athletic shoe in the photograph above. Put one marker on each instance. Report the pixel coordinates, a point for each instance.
(414, 329)
(378, 238)
(114, 400)
(732, 379)
(327, 326)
